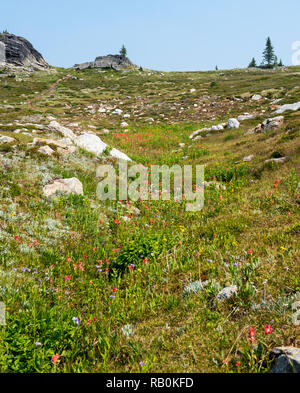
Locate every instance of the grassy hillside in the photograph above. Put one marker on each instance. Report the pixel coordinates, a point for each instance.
(66, 263)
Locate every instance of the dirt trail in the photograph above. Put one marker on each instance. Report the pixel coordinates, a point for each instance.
(48, 91)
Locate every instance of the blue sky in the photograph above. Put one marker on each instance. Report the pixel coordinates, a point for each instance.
(169, 35)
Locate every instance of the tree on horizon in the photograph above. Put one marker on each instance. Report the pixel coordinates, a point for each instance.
(252, 64)
(268, 53)
(123, 51)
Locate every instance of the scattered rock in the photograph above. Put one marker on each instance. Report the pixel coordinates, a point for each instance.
(246, 116)
(280, 160)
(72, 185)
(67, 150)
(288, 107)
(117, 112)
(227, 293)
(6, 139)
(46, 150)
(273, 123)
(118, 154)
(66, 132)
(233, 124)
(286, 360)
(256, 97)
(218, 127)
(248, 158)
(91, 143)
(49, 142)
(197, 132)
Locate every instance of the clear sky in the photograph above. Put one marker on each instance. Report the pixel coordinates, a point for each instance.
(169, 35)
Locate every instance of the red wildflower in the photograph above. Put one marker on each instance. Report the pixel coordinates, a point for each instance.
(251, 334)
(268, 329)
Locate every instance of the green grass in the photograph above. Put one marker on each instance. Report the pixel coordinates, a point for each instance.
(72, 256)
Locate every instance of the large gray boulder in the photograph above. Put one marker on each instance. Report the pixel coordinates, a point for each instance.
(17, 51)
(115, 62)
(287, 360)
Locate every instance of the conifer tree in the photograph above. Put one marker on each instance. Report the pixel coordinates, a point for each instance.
(252, 64)
(123, 51)
(268, 53)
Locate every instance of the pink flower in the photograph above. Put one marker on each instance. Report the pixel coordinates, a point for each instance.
(220, 197)
(251, 334)
(67, 278)
(55, 358)
(238, 363)
(250, 251)
(268, 329)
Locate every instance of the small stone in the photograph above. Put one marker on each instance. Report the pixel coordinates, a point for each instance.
(248, 158)
(256, 97)
(280, 160)
(46, 150)
(6, 139)
(227, 293)
(233, 124)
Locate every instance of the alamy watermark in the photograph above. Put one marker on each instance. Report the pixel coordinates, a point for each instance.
(296, 54)
(136, 183)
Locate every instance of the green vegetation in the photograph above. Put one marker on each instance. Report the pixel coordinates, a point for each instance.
(96, 287)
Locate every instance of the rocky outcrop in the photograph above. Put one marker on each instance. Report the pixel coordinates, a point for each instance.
(17, 51)
(115, 62)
